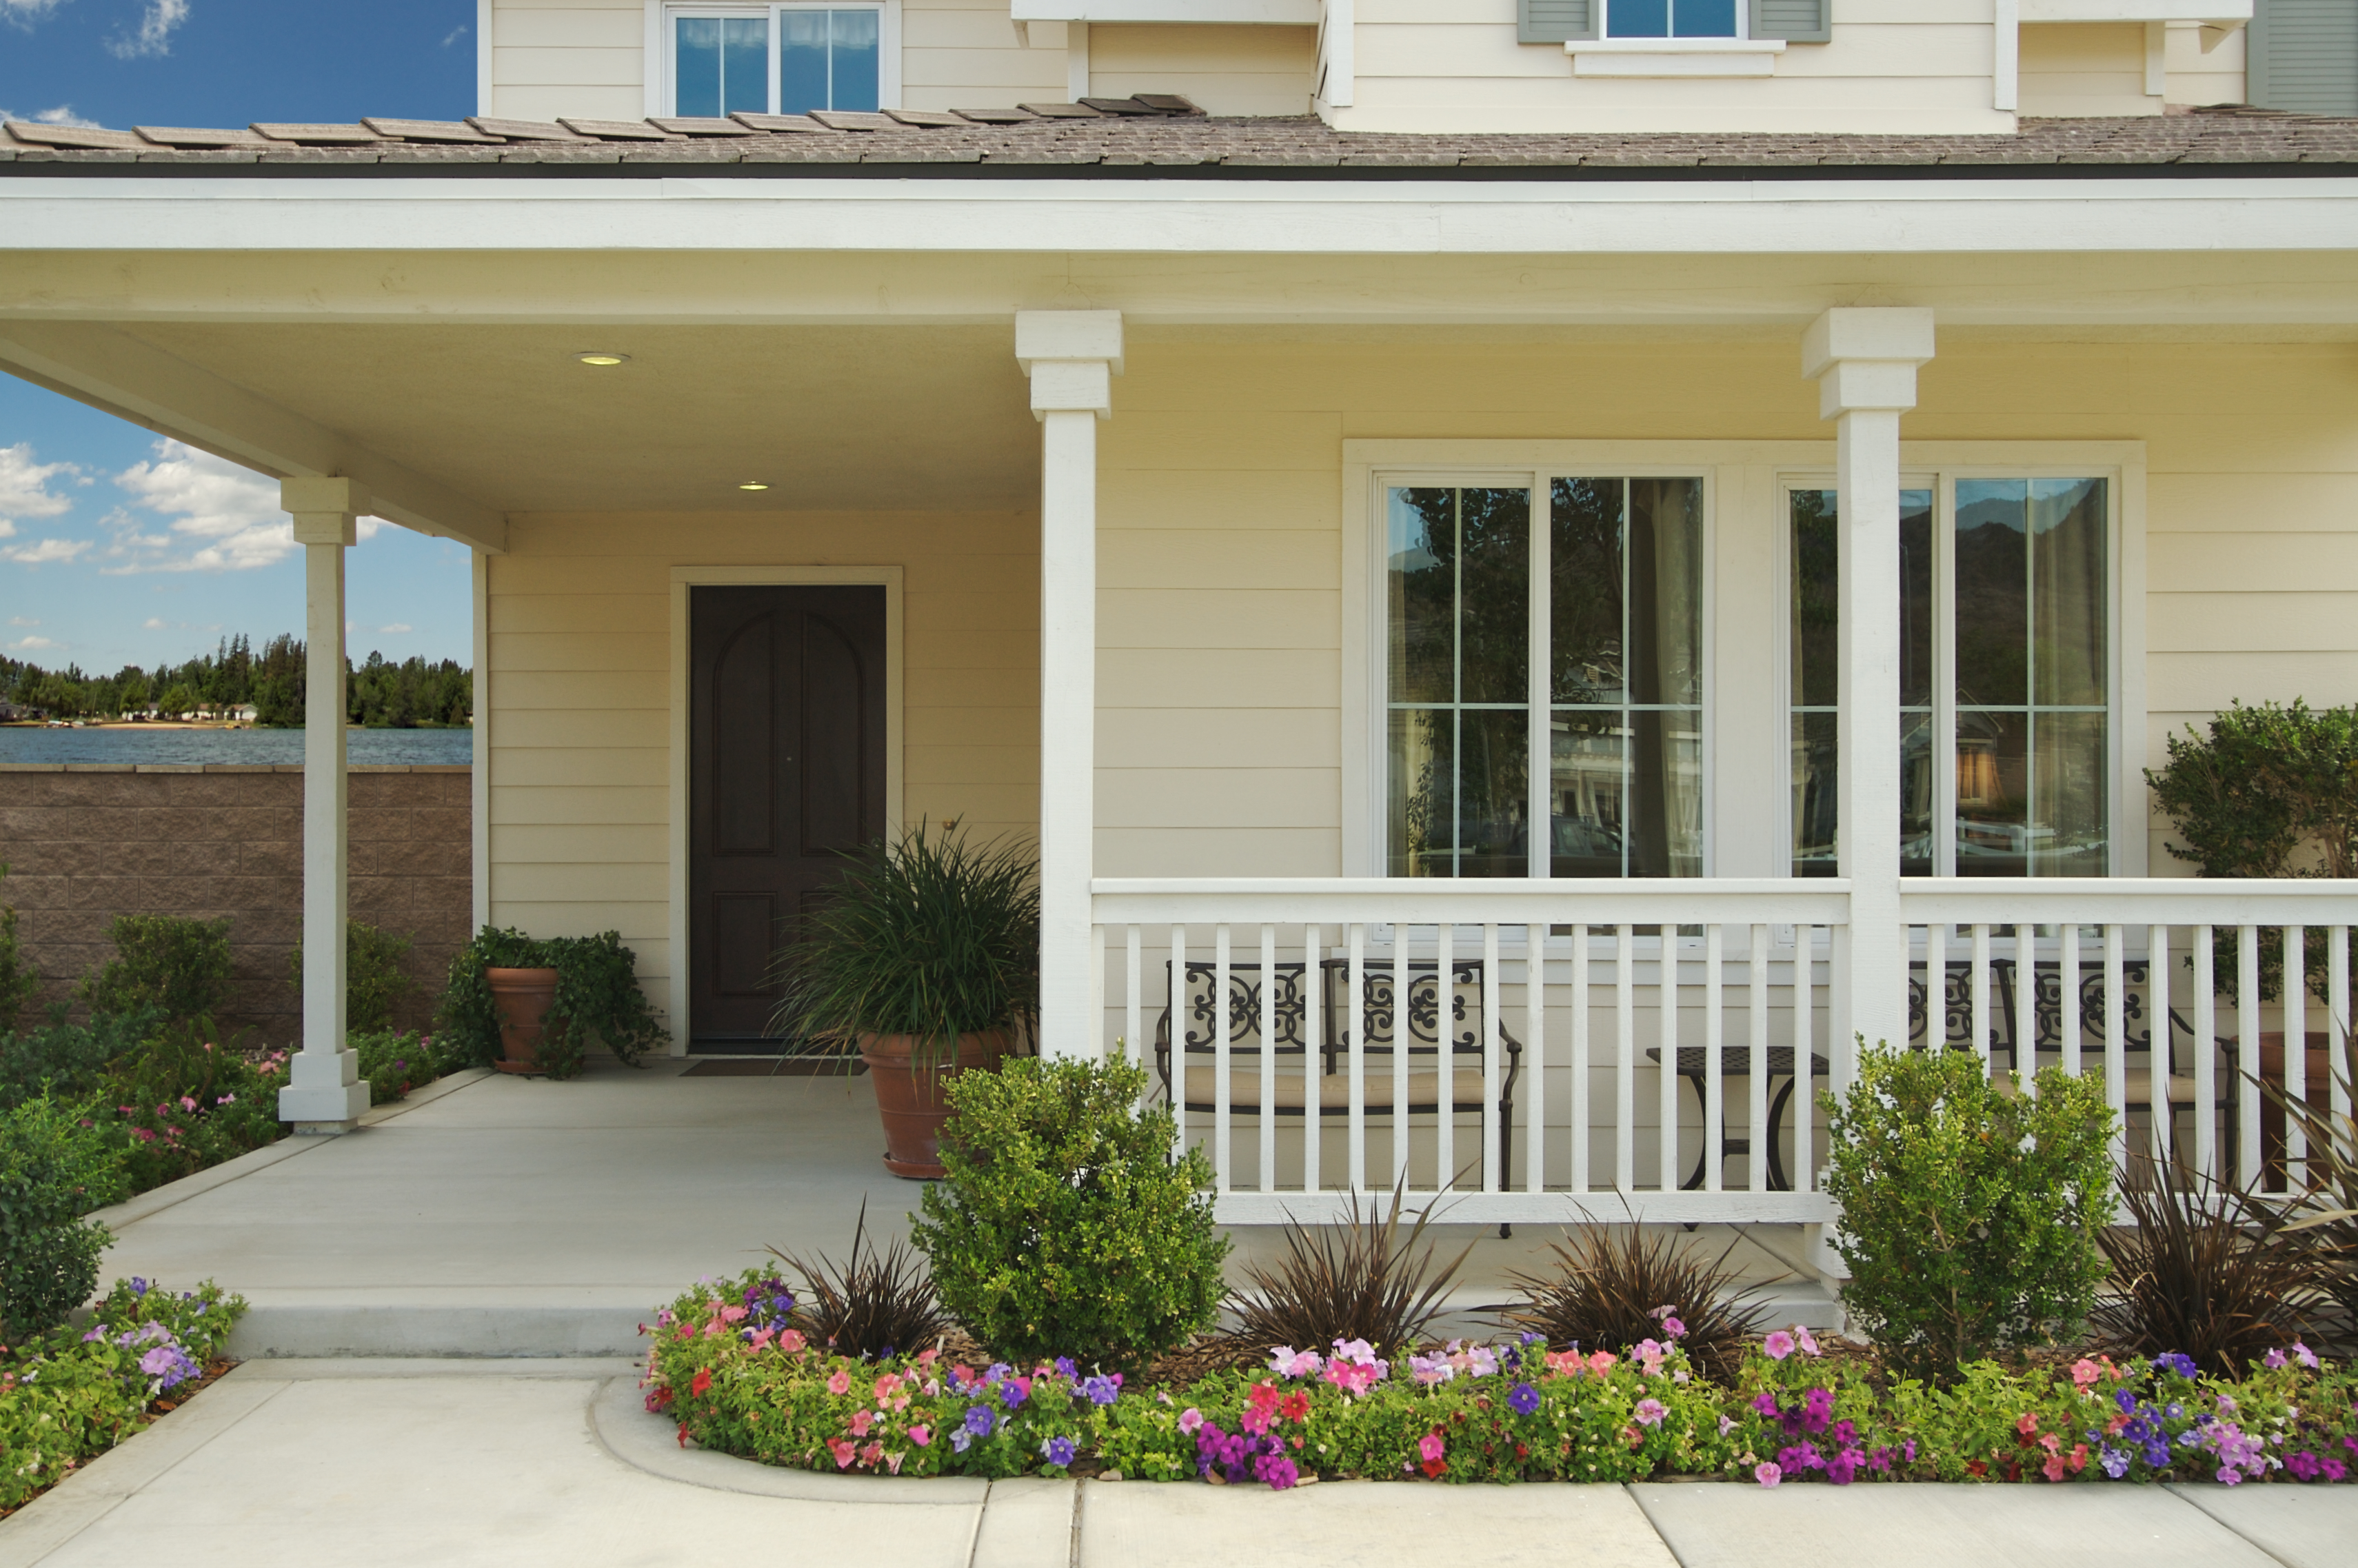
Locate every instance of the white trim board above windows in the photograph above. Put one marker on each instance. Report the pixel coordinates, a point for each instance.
(1746, 742)
(779, 58)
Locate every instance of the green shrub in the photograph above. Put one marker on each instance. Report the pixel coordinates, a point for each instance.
(54, 1168)
(68, 1059)
(1969, 1214)
(394, 1063)
(177, 965)
(597, 994)
(19, 982)
(1064, 1226)
(376, 975)
(188, 1098)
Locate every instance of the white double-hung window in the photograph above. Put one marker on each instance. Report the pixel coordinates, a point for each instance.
(1672, 19)
(1543, 676)
(785, 59)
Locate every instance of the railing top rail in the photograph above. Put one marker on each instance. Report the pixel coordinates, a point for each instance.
(2157, 901)
(1518, 901)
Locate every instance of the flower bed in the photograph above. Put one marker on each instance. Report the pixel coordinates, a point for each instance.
(78, 1391)
(731, 1366)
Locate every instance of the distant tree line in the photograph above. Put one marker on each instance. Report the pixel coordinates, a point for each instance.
(378, 694)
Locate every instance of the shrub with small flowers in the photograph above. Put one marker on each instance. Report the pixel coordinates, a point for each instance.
(76, 1391)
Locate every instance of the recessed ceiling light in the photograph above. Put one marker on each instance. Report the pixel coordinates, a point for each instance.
(753, 484)
(600, 357)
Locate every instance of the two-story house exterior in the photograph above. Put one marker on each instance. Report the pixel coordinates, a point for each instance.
(1375, 488)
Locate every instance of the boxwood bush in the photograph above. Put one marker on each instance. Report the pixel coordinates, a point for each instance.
(1064, 1226)
(54, 1168)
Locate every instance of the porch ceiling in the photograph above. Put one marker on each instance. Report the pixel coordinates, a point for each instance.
(833, 417)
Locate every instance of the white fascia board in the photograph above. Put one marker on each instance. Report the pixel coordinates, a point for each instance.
(2218, 13)
(1185, 217)
(1229, 13)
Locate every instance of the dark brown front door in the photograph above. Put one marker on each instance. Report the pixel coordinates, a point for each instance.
(786, 772)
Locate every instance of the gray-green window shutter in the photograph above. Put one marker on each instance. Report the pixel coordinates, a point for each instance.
(1795, 21)
(1554, 21)
(2302, 55)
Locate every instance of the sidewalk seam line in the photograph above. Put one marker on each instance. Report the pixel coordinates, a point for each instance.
(1647, 1514)
(1078, 1492)
(2171, 1489)
(974, 1536)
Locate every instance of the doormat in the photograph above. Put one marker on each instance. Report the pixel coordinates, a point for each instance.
(772, 1067)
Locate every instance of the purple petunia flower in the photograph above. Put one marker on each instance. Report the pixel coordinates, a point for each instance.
(1101, 1390)
(981, 1419)
(1522, 1398)
(1057, 1450)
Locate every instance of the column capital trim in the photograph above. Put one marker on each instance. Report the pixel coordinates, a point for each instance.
(1865, 358)
(1068, 335)
(326, 511)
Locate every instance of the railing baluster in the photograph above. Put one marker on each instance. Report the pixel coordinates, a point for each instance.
(1269, 1060)
(1490, 1163)
(2247, 1054)
(2116, 1068)
(2296, 1056)
(1936, 986)
(1355, 1017)
(1444, 1040)
(2156, 1012)
(1805, 1046)
(1579, 1182)
(1535, 1058)
(1097, 990)
(2206, 1047)
(2026, 1003)
(2337, 1019)
(1176, 1011)
(1313, 1057)
(1223, 1171)
(1714, 1109)
(1756, 1109)
(1134, 1015)
(1666, 1041)
(1400, 978)
(1979, 1004)
(2068, 1021)
(1625, 1066)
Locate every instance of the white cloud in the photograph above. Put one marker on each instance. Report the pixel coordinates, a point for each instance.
(155, 34)
(155, 623)
(34, 645)
(454, 34)
(23, 620)
(397, 626)
(223, 517)
(62, 115)
(44, 551)
(25, 13)
(24, 485)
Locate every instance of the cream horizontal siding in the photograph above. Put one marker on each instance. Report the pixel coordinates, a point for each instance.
(1457, 65)
(580, 682)
(965, 54)
(2199, 75)
(1227, 71)
(567, 57)
(2083, 68)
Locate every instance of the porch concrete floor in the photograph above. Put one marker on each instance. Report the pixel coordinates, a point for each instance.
(504, 1217)
(504, 1462)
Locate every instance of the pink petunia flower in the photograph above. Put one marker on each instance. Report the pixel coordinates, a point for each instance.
(1776, 1346)
(1431, 1447)
(1805, 1339)
(1650, 1412)
(2304, 1355)
(840, 1383)
(1767, 1474)
(1190, 1420)
(922, 1436)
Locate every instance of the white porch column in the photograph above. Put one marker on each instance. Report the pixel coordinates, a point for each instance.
(1071, 356)
(324, 1092)
(1864, 361)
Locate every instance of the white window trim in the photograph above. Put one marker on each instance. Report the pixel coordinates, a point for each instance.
(659, 76)
(1736, 54)
(1747, 832)
(890, 577)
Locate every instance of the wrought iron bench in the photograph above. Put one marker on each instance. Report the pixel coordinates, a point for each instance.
(1293, 1089)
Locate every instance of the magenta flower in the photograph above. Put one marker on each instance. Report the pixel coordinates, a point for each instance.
(1190, 1420)
(1777, 1346)
(1767, 1474)
(1430, 1446)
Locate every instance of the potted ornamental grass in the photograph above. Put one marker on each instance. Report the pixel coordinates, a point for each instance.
(924, 959)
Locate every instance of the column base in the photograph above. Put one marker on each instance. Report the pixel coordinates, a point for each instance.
(324, 1093)
(325, 1129)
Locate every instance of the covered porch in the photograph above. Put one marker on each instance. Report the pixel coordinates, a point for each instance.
(1121, 481)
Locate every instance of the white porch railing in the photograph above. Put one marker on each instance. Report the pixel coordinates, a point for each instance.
(1607, 1050)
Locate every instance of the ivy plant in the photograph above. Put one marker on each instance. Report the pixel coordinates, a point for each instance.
(598, 995)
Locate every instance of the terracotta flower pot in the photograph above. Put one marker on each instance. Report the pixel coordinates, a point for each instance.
(523, 997)
(909, 1084)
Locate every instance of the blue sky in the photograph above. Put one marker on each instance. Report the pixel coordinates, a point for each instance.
(115, 546)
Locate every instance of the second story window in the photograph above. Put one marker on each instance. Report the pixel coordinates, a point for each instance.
(780, 59)
(1670, 19)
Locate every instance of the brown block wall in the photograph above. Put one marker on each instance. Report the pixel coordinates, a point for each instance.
(87, 842)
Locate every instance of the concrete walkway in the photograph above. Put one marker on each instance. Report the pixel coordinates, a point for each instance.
(489, 1216)
(385, 1461)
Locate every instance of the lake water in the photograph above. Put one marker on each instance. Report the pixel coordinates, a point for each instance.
(413, 748)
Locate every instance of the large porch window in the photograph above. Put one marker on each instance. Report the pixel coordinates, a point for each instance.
(1579, 642)
(2006, 677)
